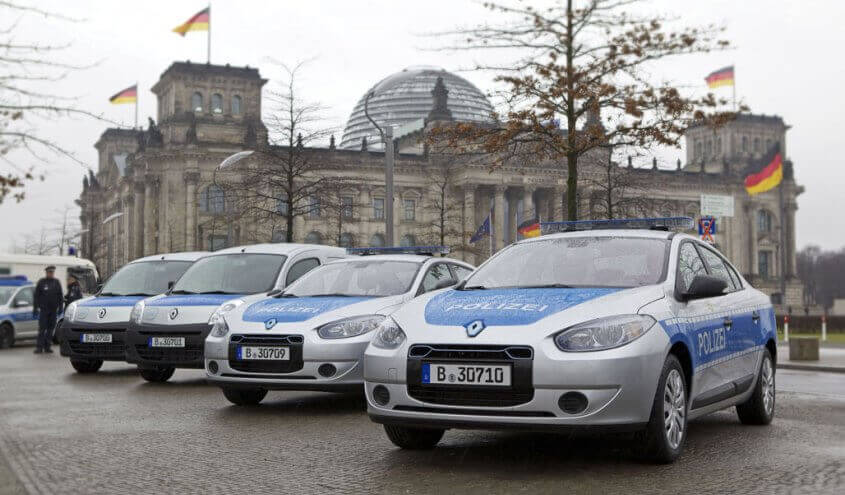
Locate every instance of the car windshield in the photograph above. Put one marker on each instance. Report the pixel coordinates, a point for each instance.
(238, 273)
(357, 278)
(145, 278)
(6, 293)
(574, 262)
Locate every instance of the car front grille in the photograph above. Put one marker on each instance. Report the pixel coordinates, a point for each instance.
(292, 342)
(189, 353)
(113, 350)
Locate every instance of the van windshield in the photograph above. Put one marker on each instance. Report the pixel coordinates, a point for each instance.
(145, 278)
(85, 277)
(238, 273)
(6, 293)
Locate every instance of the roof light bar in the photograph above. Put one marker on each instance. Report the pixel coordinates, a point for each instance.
(424, 250)
(656, 223)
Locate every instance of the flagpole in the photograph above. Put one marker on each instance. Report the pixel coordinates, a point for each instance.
(732, 85)
(136, 104)
(209, 33)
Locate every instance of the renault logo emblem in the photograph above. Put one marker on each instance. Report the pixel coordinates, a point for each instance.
(269, 323)
(101, 313)
(474, 328)
(174, 313)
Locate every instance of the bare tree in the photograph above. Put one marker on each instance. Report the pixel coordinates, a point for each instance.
(442, 205)
(283, 178)
(616, 191)
(39, 244)
(339, 207)
(66, 228)
(578, 59)
(28, 73)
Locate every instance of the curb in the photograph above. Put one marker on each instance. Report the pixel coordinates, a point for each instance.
(811, 367)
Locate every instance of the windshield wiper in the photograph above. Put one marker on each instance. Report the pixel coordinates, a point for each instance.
(110, 294)
(183, 291)
(138, 294)
(217, 292)
(283, 295)
(332, 295)
(545, 286)
(473, 287)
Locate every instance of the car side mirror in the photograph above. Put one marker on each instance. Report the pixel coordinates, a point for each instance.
(170, 285)
(704, 286)
(447, 282)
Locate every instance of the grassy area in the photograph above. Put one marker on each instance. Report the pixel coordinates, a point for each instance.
(838, 338)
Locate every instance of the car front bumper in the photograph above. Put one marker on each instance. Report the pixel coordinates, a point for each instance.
(138, 350)
(71, 345)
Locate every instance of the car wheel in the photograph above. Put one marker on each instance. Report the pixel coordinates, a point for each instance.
(759, 409)
(667, 426)
(85, 366)
(413, 438)
(245, 397)
(156, 375)
(7, 336)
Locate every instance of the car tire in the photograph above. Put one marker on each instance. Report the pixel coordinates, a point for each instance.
(667, 427)
(86, 366)
(240, 397)
(7, 336)
(156, 375)
(413, 438)
(759, 409)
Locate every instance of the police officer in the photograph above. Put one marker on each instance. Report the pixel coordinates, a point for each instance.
(46, 306)
(74, 290)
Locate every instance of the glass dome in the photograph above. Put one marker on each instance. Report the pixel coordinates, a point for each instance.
(405, 97)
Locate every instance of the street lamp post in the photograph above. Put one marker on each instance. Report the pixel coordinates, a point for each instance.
(387, 140)
(230, 161)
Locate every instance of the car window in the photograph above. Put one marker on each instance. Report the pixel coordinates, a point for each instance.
(364, 277)
(689, 265)
(735, 277)
(24, 295)
(300, 268)
(460, 272)
(236, 273)
(718, 268)
(435, 274)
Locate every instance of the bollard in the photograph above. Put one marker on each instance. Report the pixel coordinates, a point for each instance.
(824, 328)
(786, 328)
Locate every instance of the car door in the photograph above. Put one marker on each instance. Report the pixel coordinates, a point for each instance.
(25, 324)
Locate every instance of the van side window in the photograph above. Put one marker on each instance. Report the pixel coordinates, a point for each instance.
(300, 268)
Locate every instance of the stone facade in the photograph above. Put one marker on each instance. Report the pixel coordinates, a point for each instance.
(156, 190)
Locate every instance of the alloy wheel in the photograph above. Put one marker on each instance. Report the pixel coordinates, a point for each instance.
(674, 408)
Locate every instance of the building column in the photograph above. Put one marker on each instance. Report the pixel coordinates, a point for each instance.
(751, 211)
(513, 207)
(128, 209)
(149, 215)
(557, 200)
(468, 218)
(191, 179)
(398, 208)
(790, 239)
(138, 221)
(164, 227)
(500, 240)
(528, 208)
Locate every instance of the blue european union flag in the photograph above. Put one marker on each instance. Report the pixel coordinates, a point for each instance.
(483, 229)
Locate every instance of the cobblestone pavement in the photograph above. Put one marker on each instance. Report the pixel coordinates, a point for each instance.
(113, 433)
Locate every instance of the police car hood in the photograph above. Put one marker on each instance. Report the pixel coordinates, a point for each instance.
(512, 314)
(105, 309)
(293, 313)
(183, 309)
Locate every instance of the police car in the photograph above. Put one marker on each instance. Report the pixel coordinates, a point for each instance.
(93, 329)
(609, 324)
(16, 320)
(313, 335)
(168, 331)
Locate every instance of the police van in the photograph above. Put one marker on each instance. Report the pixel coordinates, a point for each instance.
(16, 319)
(32, 267)
(312, 336)
(93, 328)
(168, 331)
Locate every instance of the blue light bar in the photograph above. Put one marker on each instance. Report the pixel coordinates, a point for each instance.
(425, 250)
(657, 223)
(14, 280)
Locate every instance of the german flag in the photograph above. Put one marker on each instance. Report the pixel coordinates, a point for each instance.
(199, 22)
(721, 77)
(529, 228)
(128, 95)
(771, 174)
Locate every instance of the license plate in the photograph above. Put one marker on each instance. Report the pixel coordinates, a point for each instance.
(466, 374)
(263, 353)
(96, 338)
(166, 342)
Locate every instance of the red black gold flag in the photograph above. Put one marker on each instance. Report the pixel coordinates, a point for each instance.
(529, 228)
(199, 22)
(721, 77)
(128, 95)
(771, 174)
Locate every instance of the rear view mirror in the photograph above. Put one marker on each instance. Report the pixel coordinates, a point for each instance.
(703, 286)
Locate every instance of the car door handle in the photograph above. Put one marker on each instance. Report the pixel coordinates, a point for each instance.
(755, 317)
(728, 322)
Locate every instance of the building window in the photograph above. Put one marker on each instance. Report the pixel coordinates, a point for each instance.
(764, 221)
(408, 240)
(216, 103)
(313, 237)
(697, 149)
(756, 145)
(718, 145)
(313, 207)
(346, 206)
(236, 105)
(282, 205)
(279, 235)
(768, 144)
(217, 242)
(410, 209)
(709, 148)
(196, 102)
(764, 264)
(744, 144)
(378, 208)
(346, 240)
(213, 199)
(377, 240)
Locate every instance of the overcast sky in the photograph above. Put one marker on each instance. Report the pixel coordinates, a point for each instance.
(787, 63)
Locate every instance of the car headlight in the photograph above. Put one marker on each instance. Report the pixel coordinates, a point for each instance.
(137, 312)
(603, 333)
(388, 335)
(70, 312)
(223, 309)
(219, 328)
(349, 327)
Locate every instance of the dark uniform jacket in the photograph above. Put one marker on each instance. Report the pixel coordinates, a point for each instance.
(48, 295)
(74, 292)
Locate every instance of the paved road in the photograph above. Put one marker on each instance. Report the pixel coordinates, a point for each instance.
(111, 432)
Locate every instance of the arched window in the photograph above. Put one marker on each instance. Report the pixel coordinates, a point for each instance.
(744, 143)
(408, 240)
(313, 237)
(764, 221)
(196, 102)
(236, 105)
(377, 240)
(756, 145)
(213, 199)
(314, 207)
(216, 103)
(282, 205)
(346, 240)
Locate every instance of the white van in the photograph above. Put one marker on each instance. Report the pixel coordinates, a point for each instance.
(32, 266)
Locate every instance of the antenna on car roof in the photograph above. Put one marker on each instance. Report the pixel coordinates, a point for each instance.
(655, 223)
(421, 250)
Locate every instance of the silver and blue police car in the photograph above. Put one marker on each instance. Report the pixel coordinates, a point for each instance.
(313, 335)
(599, 326)
(16, 319)
(93, 329)
(168, 331)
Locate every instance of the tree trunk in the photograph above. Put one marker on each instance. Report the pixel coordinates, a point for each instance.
(572, 187)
